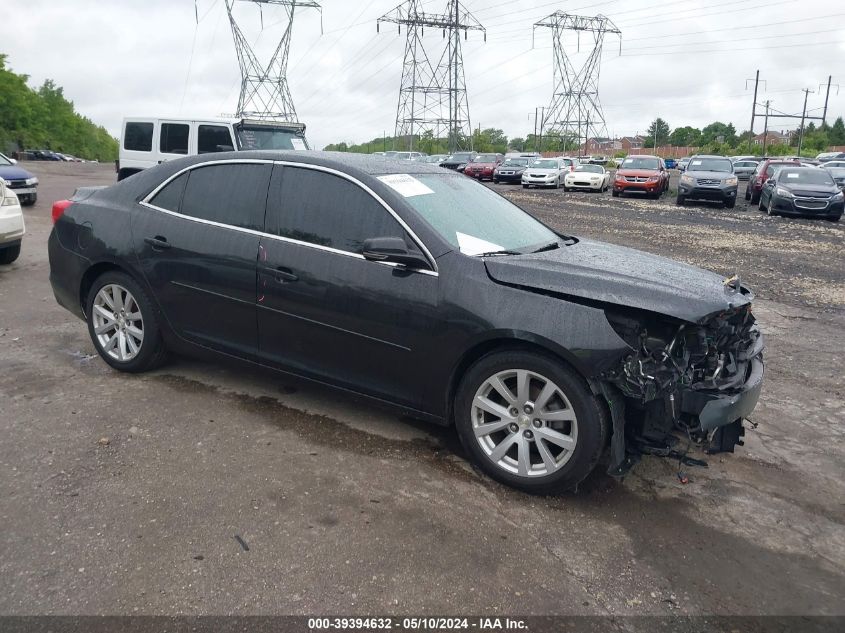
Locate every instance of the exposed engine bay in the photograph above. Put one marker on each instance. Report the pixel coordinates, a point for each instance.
(684, 377)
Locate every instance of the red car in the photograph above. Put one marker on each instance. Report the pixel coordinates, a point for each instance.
(482, 166)
(643, 174)
(765, 170)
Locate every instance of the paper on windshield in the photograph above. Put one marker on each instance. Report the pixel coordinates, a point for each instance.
(298, 143)
(405, 184)
(696, 162)
(793, 175)
(470, 245)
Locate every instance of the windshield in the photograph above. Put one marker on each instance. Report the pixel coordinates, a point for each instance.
(710, 164)
(640, 162)
(806, 176)
(837, 172)
(545, 164)
(485, 158)
(516, 162)
(267, 137)
(4, 160)
(475, 220)
(594, 168)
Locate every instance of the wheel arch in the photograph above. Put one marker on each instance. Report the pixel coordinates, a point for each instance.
(97, 269)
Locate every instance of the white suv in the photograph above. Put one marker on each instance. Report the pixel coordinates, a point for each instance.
(11, 225)
(148, 141)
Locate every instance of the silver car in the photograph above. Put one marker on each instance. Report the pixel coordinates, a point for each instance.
(545, 172)
(744, 168)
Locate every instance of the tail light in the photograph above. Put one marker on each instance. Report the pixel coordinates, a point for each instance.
(59, 208)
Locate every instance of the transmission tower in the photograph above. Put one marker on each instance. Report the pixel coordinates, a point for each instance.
(432, 94)
(264, 89)
(574, 107)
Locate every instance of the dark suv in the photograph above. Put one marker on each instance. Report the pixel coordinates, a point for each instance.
(709, 178)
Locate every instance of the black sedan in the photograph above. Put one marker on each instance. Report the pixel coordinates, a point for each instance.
(511, 170)
(419, 288)
(808, 191)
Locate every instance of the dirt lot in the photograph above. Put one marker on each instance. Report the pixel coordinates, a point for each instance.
(348, 509)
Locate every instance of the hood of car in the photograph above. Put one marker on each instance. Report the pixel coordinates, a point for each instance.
(481, 165)
(807, 189)
(514, 167)
(621, 276)
(541, 171)
(13, 172)
(637, 172)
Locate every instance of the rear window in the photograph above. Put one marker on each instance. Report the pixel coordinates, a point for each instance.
(138, 137)
(173, 138)
(231, 193)
(171, 195)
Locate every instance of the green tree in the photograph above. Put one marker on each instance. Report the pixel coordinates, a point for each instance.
(836, 136)
(720, 133)
(658, 133)
(517, 143)
(686, 136)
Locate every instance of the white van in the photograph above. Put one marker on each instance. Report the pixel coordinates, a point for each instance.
(149, 141)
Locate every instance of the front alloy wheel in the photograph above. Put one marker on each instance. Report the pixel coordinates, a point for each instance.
(524, 423)
(529, 421)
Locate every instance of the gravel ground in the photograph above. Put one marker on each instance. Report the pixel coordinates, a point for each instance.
(125, 494)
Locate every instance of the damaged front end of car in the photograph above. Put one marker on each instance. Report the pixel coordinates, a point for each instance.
(701, 379)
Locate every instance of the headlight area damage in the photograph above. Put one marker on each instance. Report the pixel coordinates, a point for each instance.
(701, 379)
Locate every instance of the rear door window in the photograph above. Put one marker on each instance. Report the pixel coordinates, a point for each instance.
(231, 193)
(213, 138)
(173, 138)
(327, 210)
(138, 136)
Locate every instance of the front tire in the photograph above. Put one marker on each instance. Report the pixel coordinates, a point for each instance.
(614, 193)
(123, 324)
(529, 421)
(524, 186)
(680, 200)
(30, 200)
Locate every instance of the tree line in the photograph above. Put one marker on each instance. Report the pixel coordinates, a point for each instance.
(44, 119)
(716, 138)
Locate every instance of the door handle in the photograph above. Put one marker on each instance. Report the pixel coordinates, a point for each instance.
(158, 242)
(280, 273)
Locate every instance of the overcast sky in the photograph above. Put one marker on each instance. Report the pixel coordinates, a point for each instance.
(684, 61)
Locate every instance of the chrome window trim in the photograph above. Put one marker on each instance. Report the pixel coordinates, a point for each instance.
(145, 202)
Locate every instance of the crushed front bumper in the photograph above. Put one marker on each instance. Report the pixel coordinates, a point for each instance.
(715, 409)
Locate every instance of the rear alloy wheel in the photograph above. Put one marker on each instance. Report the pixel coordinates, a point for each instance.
(529, 422)
(122, 324)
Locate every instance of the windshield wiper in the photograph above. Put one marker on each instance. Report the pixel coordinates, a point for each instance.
(548, 247)
(494, 253)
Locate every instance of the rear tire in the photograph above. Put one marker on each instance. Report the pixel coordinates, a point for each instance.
(9, 254)
(123, 323)
(546, 450)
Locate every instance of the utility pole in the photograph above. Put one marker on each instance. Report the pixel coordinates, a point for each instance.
(766, 129)
(542, 118)
(753, 107)
(826, 97)
(807, 92)
(575, 95)
(432, 93)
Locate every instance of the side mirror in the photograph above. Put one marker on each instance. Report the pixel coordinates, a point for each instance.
(392, 250)
(13, 161)
(770, 181)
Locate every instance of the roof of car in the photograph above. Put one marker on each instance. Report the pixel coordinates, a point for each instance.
(710, 156)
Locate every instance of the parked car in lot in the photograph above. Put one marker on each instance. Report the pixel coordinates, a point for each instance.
(12, 226)
(425, 290)
(764, 170)
(511, 169)
(708, 178)
(591, 177)
(148, 141)
(408, 155)
(804, 191)
(458, 161)
(838, 175)
(833, 164)
(544, 172)
(434, 158)
(641, 174)
(670, 163)
(482, 166)
(19, 180)
(744, 168)
(41, 154)
(682, 163)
